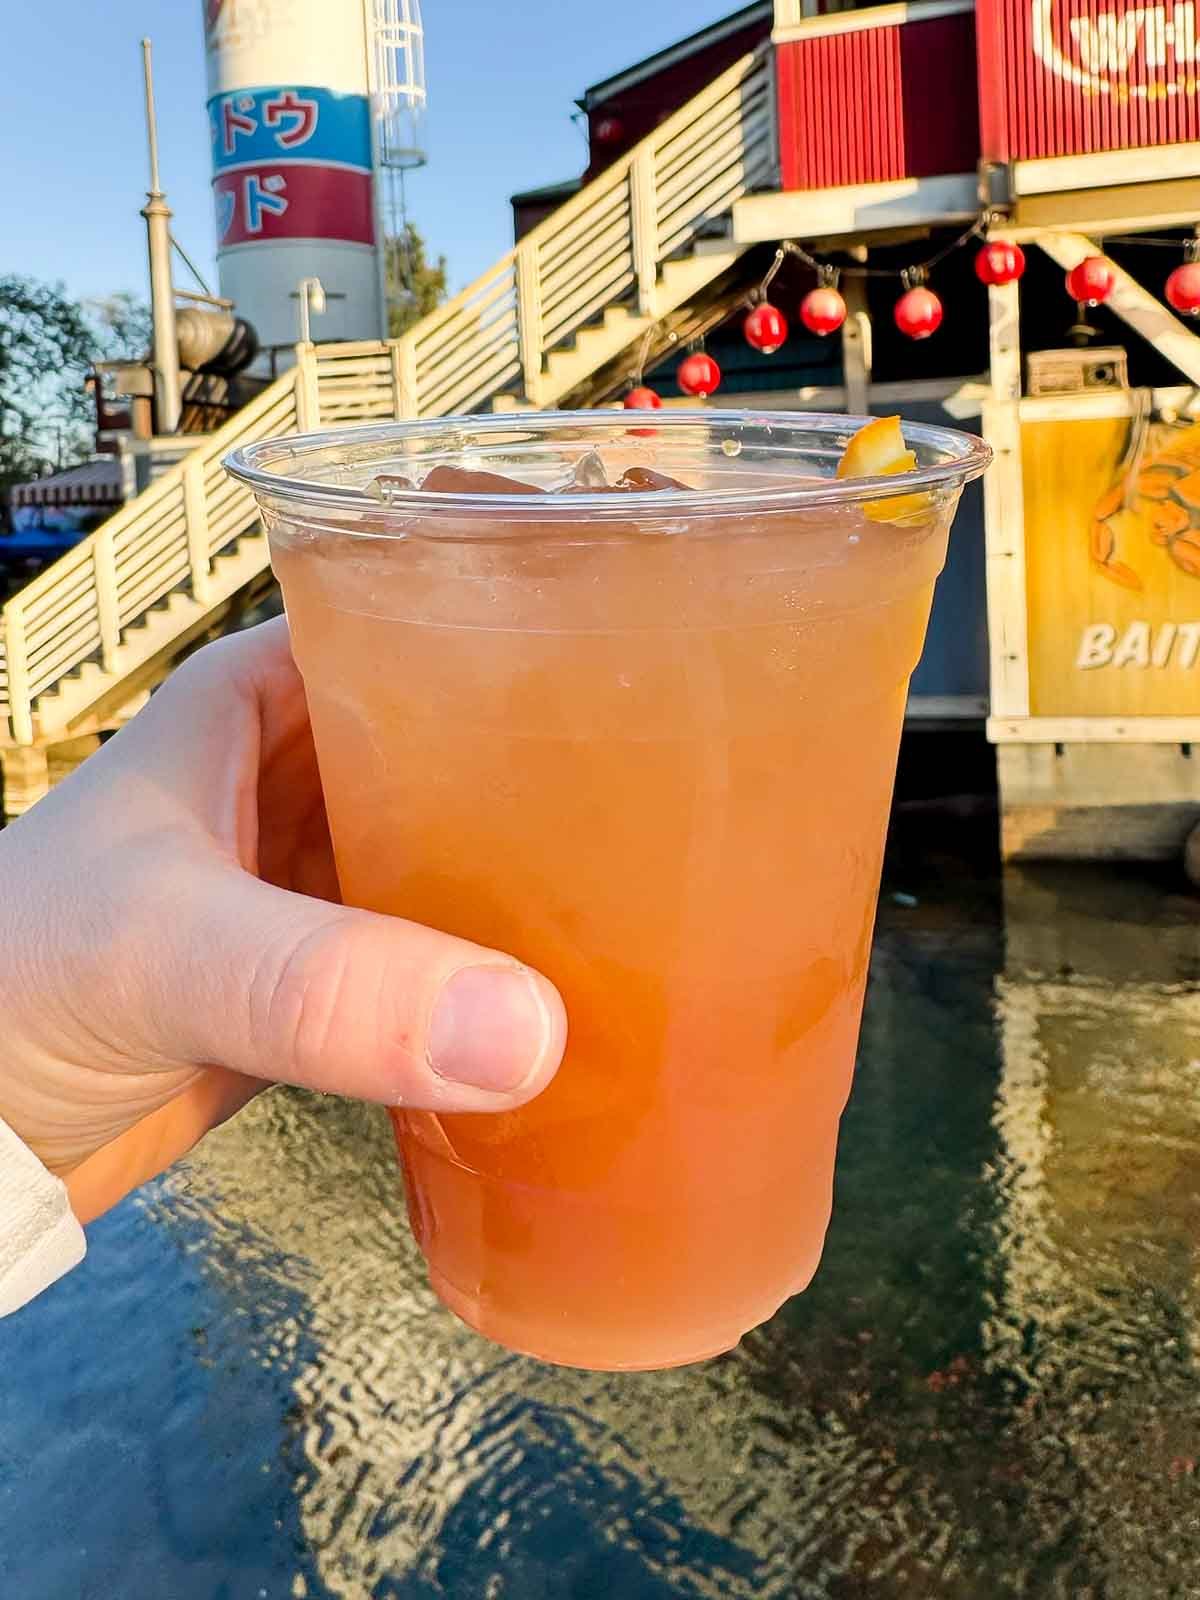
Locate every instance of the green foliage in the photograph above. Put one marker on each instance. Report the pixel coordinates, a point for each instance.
(416, 286)
(48, 343)
(123, 325)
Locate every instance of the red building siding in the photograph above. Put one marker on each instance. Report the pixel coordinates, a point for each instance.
(840, 109)
(870, 105)
(941, 108)
(1075, 77)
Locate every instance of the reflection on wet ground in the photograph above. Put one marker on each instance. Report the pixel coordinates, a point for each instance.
(989, 1390)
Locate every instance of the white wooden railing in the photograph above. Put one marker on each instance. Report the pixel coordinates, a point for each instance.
(607, 244)
(166, 538)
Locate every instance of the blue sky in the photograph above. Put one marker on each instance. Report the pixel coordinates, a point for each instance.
(502, 81)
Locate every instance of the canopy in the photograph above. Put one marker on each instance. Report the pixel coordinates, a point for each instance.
(92, 483)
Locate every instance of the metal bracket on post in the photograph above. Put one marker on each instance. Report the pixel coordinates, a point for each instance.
(996, 188)
(643, 219)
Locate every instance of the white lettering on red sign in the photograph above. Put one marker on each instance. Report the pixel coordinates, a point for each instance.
(1100, 52)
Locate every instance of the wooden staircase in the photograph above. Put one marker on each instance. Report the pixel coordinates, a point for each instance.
(82, 642)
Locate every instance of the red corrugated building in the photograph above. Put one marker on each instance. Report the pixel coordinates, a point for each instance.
(877, 95)
(1081, 77)
(1071, 128)
(1031, 97)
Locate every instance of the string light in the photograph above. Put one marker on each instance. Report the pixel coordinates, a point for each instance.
(698, 375)
(919, 311)
(822, 311)
(1183, 286)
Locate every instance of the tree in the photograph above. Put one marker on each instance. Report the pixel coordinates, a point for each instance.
(44, 356)
(415, 285)
(48, 344)
(123, 326)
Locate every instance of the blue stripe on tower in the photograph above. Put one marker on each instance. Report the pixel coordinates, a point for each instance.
(296, 121)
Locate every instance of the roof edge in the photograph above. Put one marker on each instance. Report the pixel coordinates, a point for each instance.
(679, 51)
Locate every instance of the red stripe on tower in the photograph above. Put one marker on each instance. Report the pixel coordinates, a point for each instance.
(293, 200)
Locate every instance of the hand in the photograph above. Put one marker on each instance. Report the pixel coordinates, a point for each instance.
(171, 940)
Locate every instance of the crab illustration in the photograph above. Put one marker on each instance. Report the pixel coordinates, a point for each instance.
(1157, 495)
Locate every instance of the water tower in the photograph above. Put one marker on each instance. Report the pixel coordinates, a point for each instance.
(315, 113)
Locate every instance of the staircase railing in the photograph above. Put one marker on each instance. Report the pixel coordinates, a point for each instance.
(606, 244)
(166, 537)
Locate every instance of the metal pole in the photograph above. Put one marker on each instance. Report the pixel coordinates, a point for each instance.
(162, 292)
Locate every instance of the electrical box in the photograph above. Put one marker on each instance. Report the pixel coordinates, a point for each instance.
(1076, 371)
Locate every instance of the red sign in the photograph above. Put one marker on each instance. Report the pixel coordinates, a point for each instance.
(293, 200)
(1072, 77)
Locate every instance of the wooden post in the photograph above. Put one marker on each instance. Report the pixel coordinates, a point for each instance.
(403, 354)
(308, 397)
(64, 755)
(643, 220)
(26, 778)
(104, 576)
(856, 344)
(529, 319)
(16, 658)
(195, 521)
(1004, 510)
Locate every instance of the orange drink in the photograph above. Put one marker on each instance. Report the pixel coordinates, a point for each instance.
(644, 739)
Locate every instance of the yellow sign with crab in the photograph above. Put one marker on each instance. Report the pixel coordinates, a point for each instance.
(1112, 554)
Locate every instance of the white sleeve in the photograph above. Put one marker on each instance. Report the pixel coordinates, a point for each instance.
(40, 1239)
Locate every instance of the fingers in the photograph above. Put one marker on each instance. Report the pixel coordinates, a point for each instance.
(282, 987)
(195, 749)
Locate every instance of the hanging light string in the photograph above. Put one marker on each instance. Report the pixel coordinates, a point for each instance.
(828, 273)
(917, 270)
(913, 275)
(1186, 245)
(643, 351)
(772, 270)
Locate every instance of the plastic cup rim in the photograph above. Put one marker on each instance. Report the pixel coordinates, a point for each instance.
(965, 457)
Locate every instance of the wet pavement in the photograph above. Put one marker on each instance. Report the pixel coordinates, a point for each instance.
(248, 1392)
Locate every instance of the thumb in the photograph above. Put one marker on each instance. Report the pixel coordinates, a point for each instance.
(287, 988)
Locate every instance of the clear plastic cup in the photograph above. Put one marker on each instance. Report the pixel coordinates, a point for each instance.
(645, 742)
